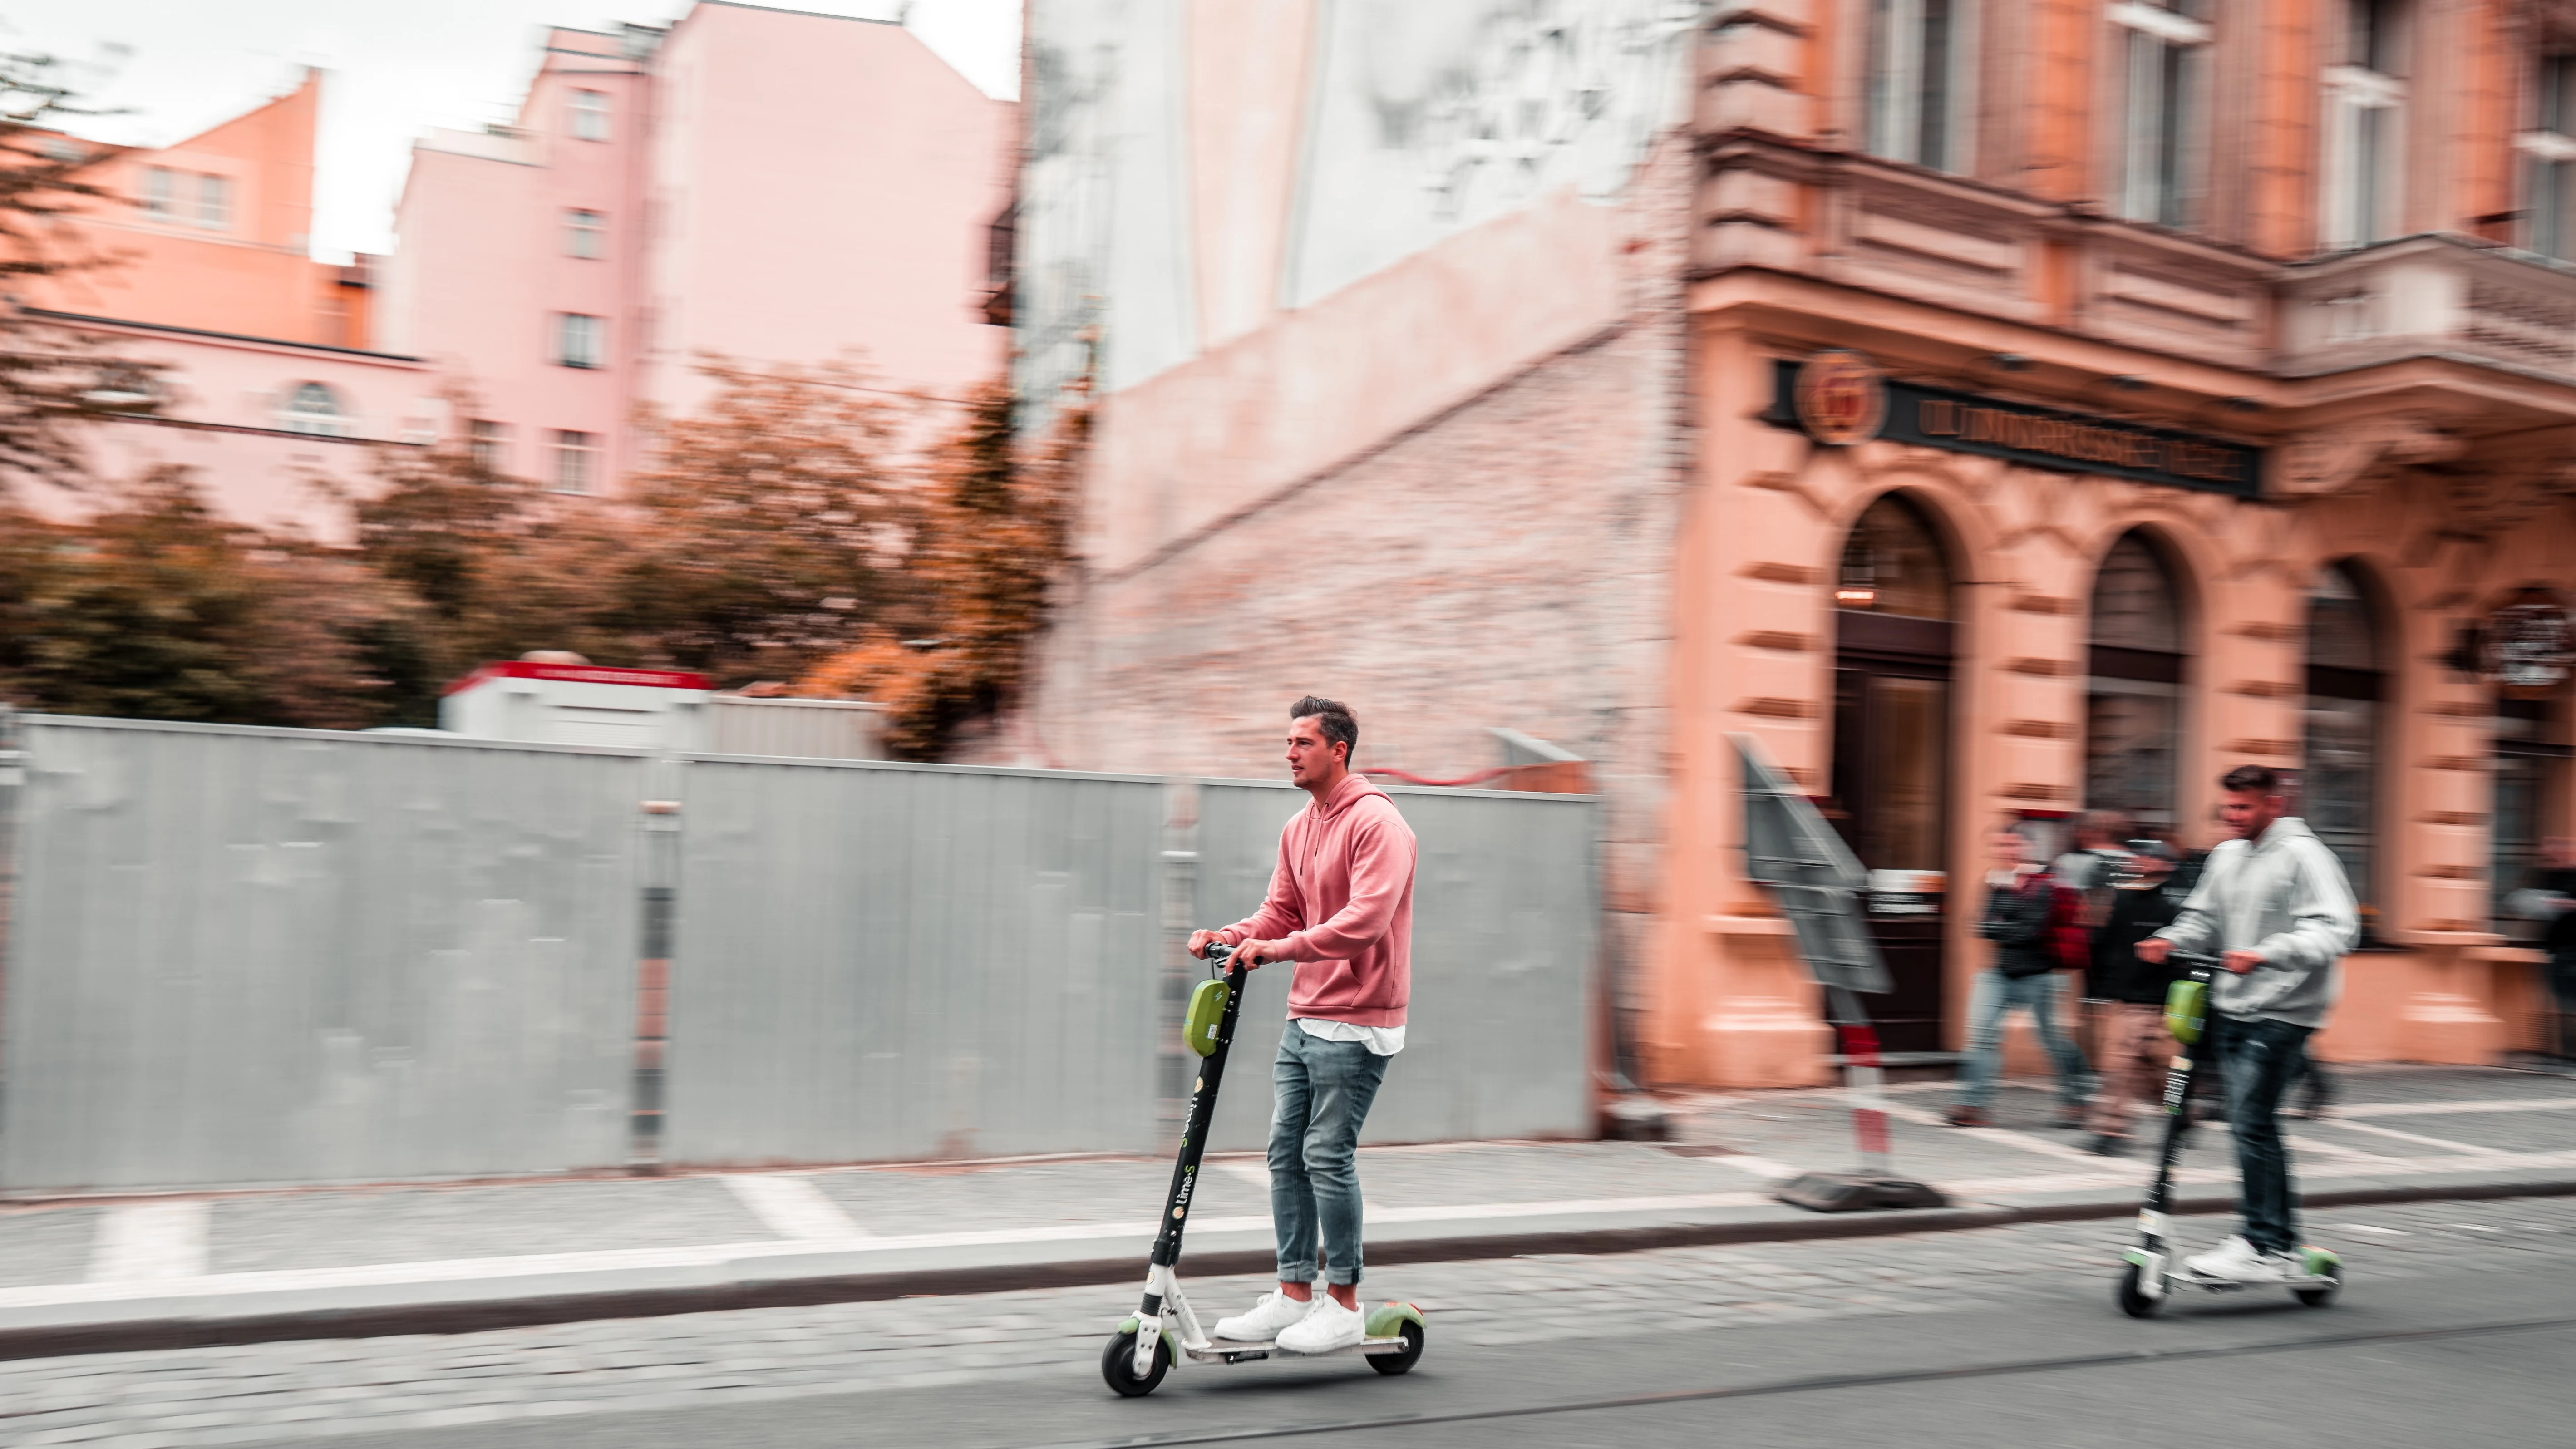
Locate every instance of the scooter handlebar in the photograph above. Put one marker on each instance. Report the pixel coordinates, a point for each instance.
(1221, 956)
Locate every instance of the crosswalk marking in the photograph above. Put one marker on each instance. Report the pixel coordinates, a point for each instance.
(791, 1206)
(150, 1242)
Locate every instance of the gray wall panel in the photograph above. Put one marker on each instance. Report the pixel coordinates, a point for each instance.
(879, 961)
(273, 956)
(1505, 921)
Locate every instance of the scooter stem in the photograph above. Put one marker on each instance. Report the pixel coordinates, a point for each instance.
(1194, 1134)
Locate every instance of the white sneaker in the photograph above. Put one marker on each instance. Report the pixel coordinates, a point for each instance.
(2238, 1261)
(1275, 1311)
(1329, 1327)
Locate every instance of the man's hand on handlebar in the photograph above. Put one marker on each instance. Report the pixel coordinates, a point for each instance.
(1201, 940)
(1253, 953)
(2154, 950)
(2241, 962)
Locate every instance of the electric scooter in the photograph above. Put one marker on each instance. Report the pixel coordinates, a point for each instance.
(2152, 1274)
(1142, 1350)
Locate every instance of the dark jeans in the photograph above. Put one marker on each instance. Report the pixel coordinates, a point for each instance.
(2263, 1058)
(1322, 1095)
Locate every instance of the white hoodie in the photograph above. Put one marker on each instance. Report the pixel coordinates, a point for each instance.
(2285, 897)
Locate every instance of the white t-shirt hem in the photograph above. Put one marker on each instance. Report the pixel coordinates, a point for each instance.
(1382, 1041)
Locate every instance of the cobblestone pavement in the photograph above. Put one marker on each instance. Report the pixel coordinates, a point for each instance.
(285, 1391)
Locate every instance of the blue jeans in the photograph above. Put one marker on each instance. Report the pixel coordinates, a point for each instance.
(1323, 1090)
(2263, 1058)
(1995, 994)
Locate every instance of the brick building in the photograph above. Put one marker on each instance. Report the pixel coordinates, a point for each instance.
(1998, 408)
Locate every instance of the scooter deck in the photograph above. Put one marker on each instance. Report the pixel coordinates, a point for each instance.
(1227, 1350)
(2185, 1278)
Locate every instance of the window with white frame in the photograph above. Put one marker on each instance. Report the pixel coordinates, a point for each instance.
(1921, 66)
(585, 234)
(313, 408)
(576, 461)
(214, 202)
(2365, 102)
(590, 115)
(578, 340)
(2167, 45)
(488, 442)
(160, 192)
(2548, 150)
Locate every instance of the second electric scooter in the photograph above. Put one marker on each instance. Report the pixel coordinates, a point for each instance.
(1141, 1351)
(2152, 1274)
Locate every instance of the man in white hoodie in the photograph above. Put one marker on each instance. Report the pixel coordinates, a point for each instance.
(2275, 902)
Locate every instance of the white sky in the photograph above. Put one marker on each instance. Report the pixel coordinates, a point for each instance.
(397, 68)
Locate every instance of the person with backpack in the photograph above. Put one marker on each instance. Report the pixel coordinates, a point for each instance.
(2135, 1048)
(2021, 901)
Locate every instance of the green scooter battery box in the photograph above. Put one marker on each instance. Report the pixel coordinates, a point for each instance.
(2187, 1010)
(1207, 1011)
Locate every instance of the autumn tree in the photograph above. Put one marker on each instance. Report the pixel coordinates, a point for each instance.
(157, 608)
(991, 540)
(52, 378)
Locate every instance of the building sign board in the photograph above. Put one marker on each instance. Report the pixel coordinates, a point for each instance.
(2528, 646)
(1830, 395)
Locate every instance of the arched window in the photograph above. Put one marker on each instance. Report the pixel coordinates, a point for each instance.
(1891, 751)
(1893, 564)
(314, 408)
(2347, 694)
(2133, 699)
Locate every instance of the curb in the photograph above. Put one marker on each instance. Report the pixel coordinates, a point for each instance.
(216, 1329)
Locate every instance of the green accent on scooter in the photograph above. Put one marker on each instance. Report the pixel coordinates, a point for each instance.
(2187, 1010)
(1128, 1325)
(1388, 1319)
(2321, 1262)
(1206, 1013)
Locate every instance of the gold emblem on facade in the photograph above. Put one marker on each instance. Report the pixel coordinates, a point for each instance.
(1841, 399)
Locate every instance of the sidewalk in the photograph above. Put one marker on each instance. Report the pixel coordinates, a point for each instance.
(160, 1272)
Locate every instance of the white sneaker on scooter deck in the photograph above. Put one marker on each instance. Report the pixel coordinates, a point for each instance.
(2239, 1261)
(1328, 1327)
(1276, 1311)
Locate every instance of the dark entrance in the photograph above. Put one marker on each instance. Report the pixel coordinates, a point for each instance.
(1891, 759)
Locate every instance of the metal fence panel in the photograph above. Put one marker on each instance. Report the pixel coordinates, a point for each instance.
(279, 956)
(1505, 925)
(881, 961)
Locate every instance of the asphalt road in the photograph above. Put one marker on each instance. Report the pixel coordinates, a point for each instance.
(2467, 1345)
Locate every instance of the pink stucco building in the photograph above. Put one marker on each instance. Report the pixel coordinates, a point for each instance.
(765, 185)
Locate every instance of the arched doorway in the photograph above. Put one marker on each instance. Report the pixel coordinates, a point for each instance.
(2133, 695)
(2347, 697)
(1893, 639)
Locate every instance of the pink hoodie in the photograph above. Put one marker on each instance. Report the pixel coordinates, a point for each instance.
(1342, 898)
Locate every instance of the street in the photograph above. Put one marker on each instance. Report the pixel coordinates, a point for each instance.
(2455, 1329)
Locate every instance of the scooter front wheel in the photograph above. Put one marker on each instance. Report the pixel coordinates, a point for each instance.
(1118, 1365)
(2133, 1296)
(1403, 1358)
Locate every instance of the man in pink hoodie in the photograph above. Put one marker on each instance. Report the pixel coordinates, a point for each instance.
(1341, 908)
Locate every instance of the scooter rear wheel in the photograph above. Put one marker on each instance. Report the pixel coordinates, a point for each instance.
(2318, 1297)
(1118, 1365)
(2133, 1298)
(1395, 1363)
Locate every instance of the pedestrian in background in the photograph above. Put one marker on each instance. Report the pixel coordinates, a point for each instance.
(2135, 1049)
(2021, 901)
(2274, 902)
(2550, 902)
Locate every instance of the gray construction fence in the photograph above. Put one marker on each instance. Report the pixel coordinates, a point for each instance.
(239, 956)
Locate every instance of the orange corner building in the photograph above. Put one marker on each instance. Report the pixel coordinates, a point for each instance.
(2000, 408)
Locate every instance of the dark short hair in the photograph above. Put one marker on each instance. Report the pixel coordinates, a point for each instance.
(1334, 718)
(2261, 779)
